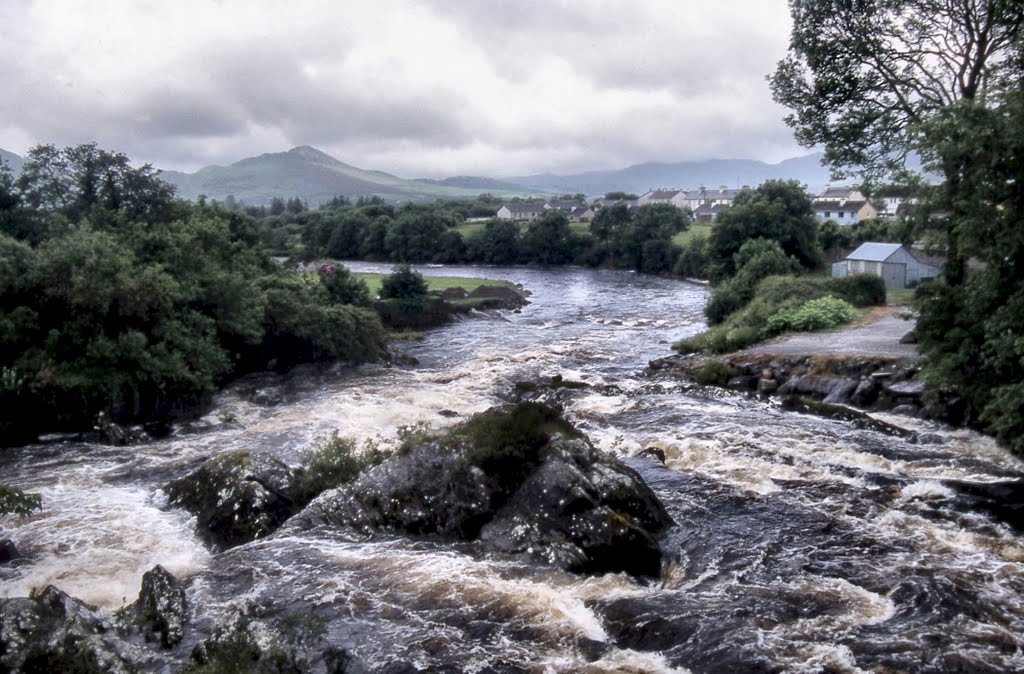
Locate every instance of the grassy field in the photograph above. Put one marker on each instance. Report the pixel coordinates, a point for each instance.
(696, 229)
(373, 282)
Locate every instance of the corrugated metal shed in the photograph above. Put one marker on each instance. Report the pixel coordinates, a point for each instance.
(874, 252)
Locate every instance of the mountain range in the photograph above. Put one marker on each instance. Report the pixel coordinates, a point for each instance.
(316, 177)
(11, 159)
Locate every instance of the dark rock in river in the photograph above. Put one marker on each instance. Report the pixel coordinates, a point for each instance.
(8, 551)
(53, 632)
(236, 496)
(160, 610)
(517, 479)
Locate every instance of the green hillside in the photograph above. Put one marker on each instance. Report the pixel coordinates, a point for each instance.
(311, 175)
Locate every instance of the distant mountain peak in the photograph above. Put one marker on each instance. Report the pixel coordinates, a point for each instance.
(310, 152)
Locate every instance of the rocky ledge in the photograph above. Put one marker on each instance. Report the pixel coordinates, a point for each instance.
(517, 479)
(440, 307)
(875, 383)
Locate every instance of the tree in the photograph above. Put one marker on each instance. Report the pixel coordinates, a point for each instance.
(548, 239)
(403, 282)
(86, 181)
(873, 81)
(778, 210)
(863, 76)
(496, 243)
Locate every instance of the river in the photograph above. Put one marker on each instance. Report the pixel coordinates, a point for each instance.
(802, 545)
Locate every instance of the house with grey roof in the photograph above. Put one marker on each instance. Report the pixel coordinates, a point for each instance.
(897, 266)
(845, 212)
(521, 210)
(663, 196)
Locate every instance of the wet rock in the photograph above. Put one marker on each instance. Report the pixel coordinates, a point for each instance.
(448, 413)
(51, 631)
(160, 611)
(656, 453)
(741, 383)
(866, 392)
(843, 413)
(906, 389)
(841, 392)
(516, 479)
(110, 433)
(767, 386)
(907, 410)
(1003, 500)
(8, 551)
(236, 496)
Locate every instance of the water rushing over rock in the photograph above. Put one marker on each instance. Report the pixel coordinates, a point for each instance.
(801, 544)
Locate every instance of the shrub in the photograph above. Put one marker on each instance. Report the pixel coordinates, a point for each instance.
(18, 502)
(335, 461)
(818, 314)
(725, 300)
(403, 283)
(860, 290)
(342, 287)
(712, 372)
(693, 260)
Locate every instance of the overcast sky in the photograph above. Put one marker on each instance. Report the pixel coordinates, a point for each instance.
(412, 87)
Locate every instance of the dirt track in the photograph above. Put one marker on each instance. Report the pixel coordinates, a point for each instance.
(878, 337)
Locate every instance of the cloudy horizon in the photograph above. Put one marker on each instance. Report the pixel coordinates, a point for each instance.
(418, 88)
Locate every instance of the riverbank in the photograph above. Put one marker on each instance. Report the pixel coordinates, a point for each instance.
(870, 365)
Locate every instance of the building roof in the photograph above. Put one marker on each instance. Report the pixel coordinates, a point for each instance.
(874, 252)
(522, 207)
(661, 194)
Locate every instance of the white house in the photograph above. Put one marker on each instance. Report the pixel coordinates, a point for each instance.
(520, 210)
(892, 261)
(845, 212)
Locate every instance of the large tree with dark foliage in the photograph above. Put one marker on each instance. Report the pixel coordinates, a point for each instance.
(778, 210)
(874, 80)
(117, 298)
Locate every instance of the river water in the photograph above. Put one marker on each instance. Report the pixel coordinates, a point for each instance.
(802, 545)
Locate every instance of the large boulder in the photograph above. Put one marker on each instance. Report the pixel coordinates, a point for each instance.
(51, 631)
(236, 496)
(160, 611)
(516, 479)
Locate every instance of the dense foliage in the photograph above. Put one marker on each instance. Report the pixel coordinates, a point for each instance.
(781, 303)
(874, 82)
(639, 239)
(116, 297)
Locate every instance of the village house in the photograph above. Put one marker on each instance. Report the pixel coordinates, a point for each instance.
(521, 210)
(574, 211)
(664, 196)
(845, 205)
(897, 266)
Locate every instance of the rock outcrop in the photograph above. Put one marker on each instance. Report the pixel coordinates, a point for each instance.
(51, 631)
(236, 496)
(160, 611)
(516, 479)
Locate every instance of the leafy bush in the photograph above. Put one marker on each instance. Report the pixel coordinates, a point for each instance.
(712, 372)
(820, 314)
(756, 259)
(693, 260)
(342, 287)
(505, 443)
(860, 290)
(18, 502)
(403, 283)
(335, 461)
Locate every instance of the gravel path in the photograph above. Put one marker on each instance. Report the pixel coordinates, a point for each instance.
(880, 337)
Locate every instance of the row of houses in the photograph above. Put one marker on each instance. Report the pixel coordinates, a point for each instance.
(528, 211)
(844, 205)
